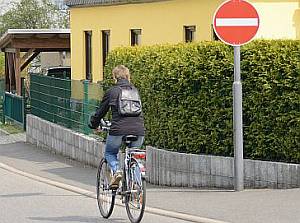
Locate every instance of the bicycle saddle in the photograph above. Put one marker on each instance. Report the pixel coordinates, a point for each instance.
(130, 138)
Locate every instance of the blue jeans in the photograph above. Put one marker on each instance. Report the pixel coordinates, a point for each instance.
(112, 147)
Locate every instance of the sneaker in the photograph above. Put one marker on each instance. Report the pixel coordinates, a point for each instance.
(115, 180)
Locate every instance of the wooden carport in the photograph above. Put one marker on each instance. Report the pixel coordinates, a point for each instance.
(31, 42)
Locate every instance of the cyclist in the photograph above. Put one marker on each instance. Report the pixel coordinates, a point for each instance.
(120, 125)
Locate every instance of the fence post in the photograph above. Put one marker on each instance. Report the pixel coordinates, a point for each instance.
(85, 106)
(23, 101)
(3, 108)
(67, 97)
(51, 92)
(23, 86)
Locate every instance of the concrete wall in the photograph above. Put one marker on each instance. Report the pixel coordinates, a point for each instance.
(63, 141)
(189, 170)
(164, 167)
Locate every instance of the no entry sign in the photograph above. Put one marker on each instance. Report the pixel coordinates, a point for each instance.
(236, 22)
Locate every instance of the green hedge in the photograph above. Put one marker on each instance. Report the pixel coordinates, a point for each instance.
(187, 96)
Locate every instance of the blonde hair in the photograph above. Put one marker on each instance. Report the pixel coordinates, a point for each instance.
(121, 72)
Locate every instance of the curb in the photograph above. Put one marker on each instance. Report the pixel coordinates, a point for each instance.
(156, 211)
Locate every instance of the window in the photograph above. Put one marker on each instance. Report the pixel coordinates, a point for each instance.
(105, 45)
(135, 36)
(88, 55)
(189, 33)
(214, 35)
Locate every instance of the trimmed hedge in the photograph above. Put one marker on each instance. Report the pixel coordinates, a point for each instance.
(271, 73)
(187, 96)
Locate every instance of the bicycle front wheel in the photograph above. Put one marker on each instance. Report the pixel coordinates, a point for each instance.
(105, 196)
(136, 197)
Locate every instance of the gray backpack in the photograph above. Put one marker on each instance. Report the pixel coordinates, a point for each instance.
(129, 102)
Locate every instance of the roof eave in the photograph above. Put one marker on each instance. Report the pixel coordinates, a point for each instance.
(92, 4)
(10, 33)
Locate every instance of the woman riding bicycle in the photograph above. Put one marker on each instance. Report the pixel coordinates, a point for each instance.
(121, 125)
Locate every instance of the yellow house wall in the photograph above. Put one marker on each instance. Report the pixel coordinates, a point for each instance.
(162, 22)
(278, 19)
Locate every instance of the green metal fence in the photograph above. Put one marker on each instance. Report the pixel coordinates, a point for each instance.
(63, 101)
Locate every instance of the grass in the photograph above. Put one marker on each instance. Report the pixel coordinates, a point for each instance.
(11, 128)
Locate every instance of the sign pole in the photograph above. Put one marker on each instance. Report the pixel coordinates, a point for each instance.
(236, 22)
(238, 122)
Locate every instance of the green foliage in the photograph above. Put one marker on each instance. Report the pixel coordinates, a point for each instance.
(271, 74)
(33, 14)
(11, 128)
(187, 96)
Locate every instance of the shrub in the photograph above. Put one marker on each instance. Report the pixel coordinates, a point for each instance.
(187, 96)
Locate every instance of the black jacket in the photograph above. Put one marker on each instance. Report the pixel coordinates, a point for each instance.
(120, 125)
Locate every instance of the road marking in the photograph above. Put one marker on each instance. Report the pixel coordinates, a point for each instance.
(87, 193)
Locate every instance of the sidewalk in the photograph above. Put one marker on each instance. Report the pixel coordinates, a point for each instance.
(253, 206)
(5, 138)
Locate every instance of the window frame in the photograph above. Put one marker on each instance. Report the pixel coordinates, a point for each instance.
(88, 55)
(189, 33)
(214, 36)
(135, 37)
(105, 35)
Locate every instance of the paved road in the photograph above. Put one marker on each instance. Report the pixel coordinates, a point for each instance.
(250, 206)
(23, 200)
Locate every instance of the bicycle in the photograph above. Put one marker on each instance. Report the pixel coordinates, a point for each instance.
(133, 184)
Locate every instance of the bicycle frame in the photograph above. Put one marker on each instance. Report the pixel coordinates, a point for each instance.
(129, 156)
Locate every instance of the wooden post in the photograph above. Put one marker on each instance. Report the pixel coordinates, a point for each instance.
(18, 71)
(7, 77)
(11, 71)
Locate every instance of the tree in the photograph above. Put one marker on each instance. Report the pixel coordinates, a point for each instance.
(33, 14)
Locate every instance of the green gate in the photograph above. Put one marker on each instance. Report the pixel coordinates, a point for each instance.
(14, 108)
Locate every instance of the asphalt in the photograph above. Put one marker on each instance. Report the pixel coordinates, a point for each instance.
(198, 205)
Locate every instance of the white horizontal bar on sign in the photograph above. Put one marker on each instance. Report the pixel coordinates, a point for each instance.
(237, 22)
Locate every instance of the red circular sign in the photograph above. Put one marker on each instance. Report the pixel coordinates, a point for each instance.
(236, 22)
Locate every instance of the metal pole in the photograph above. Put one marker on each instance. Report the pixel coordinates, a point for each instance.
(238, 123)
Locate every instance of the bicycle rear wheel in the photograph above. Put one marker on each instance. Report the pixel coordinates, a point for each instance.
(135, 201)
(105, 196)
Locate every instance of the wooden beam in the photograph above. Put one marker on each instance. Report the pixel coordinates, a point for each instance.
(34, 55)
(38, 43)
(26, 55)
(25, 50)
(9, 50)
(18, 71)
